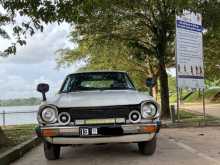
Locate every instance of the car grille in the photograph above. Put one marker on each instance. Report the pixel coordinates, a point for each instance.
(121, 111)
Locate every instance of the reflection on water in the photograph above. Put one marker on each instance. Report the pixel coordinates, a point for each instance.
(19, 118)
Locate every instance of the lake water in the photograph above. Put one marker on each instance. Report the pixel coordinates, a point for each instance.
(19, 117)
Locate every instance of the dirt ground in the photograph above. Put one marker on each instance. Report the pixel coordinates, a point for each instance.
(211, 109)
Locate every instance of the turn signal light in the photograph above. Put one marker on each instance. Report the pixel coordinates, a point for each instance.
(150, 128)
(49, 132)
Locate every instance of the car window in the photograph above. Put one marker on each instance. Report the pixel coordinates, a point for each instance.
(97, 84)
(97, 81)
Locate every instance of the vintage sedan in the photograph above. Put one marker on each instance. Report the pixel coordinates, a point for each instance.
(97, 108)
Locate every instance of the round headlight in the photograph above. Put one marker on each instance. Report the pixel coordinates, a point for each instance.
(49, 115)
(148, 110)
(64, 118)
(135, 116)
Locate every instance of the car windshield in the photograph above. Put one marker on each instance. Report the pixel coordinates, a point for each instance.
(97, 81)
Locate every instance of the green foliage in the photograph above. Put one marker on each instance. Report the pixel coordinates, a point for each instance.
(191, 117)
(148, 16)
(212, 57)
(109, 56)
(17, 134)
(20, 102)
(172, 85)
(211, 95)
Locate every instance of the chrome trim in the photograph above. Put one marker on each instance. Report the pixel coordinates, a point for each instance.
(99, 121)
(98, 140)
(143, 121)
(74, 130)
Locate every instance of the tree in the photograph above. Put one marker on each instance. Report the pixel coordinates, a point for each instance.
(144, 24)
(19, 31)
(4, 19)
(212, 60)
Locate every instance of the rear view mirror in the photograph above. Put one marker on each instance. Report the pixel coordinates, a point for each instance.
(150, 82)
(43, 88)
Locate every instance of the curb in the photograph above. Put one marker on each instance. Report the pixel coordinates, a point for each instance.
(18, 151)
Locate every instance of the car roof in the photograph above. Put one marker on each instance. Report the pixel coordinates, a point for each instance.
(98, 71)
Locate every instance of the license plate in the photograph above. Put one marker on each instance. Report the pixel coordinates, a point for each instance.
(87, 131)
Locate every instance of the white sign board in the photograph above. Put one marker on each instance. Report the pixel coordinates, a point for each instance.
(189, 51)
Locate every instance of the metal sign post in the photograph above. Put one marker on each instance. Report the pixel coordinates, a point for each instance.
(177, 88)
(178, 104)
(189, 54)
(203, 103)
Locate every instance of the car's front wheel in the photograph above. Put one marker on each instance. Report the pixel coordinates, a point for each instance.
(148, 147)
(51, 151)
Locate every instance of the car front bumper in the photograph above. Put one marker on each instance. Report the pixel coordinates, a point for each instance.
(70, 134)
(99, 140)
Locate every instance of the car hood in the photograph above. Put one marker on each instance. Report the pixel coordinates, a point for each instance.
(98, 98)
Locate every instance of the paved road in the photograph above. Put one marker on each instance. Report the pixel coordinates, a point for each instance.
(197, 146)
(211, 109)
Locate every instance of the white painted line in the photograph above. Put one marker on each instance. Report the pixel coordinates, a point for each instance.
(194, 151)
(208, 158)
(184, 146)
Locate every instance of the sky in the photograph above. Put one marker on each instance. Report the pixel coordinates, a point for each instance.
(35, 63)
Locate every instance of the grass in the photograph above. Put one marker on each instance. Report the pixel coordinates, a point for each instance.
(18, 134)
(210, 96)
(186, 116)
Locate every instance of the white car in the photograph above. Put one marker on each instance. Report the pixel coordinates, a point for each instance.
(96, 108)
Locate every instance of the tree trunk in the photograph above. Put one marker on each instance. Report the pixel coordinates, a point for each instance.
(3, 139)
(164, 91)
(155, 91)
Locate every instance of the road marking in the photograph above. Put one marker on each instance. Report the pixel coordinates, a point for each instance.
(194, 151)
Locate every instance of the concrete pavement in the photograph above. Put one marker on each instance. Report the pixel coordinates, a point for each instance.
(197, 146)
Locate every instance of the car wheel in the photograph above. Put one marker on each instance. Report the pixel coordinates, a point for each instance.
(51, 151)
(148, 147)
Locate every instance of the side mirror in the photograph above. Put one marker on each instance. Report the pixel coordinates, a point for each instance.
(43, 88)
(150, 82)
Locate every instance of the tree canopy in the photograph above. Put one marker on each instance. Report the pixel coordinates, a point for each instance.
(212, 57)
(111, 56)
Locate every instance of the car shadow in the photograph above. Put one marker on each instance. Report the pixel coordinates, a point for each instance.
(100, 154)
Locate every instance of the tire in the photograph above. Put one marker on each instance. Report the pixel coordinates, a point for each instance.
(51, 151)
(148, 147)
